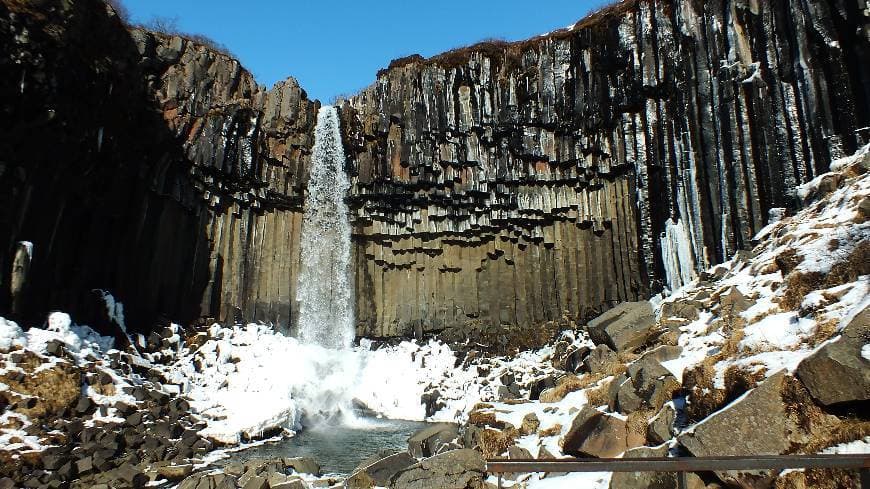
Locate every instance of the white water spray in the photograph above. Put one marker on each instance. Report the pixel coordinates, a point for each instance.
(324, 293)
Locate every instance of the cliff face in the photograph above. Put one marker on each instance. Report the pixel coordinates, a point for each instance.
(516, 183)
(499, 184)
(143, 165)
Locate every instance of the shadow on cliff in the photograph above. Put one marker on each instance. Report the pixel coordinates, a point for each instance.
(91, 174)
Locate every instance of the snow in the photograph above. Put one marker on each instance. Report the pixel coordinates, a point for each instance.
(843, 163)
(586, 480)
(780, 331)
(78, 339)
(852, 447)
(865, 352)
(11, 335)
(697, 344)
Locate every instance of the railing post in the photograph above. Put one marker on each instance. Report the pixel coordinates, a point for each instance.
(682, 480)
(499, 480)
(865, 478)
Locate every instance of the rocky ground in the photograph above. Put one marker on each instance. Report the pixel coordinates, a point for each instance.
(769, 348)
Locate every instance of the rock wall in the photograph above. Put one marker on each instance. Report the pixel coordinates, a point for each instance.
(145, 165)
(501, 184)
(514, 183)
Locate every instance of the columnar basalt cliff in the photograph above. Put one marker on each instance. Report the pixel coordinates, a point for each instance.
(517, 183)
(502, 184)
(145, 165)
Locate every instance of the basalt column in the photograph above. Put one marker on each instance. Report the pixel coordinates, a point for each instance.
(513, 183)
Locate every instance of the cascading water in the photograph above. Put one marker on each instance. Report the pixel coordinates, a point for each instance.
(324, 360)
(324, 293)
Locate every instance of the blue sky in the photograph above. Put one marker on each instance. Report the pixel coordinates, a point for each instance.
(337, 47)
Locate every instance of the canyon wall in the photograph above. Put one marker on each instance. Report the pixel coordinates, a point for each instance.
(516, 183)
(145, 165)
(500, 184)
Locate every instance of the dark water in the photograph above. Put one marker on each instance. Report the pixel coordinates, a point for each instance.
(338, 448)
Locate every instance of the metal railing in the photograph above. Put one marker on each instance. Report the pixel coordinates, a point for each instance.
(683, 465)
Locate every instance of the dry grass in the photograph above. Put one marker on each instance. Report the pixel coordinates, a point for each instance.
(564, 386)
(705, 398)
(788, 260)
(600, 395)
(638, 421)
(494, 442)
(799, 284)
(482, 418)
(554, 430)
(846, 431)
(825, 330)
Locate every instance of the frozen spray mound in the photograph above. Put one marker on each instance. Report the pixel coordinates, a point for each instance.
(248, 380)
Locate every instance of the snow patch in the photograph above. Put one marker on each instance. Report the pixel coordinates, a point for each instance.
(11, 335)
(779, 331)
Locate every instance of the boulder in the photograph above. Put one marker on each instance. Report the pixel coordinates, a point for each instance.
(734, 302)
(256, 482)
(530, 424)
(303, 465)
(595, 434)
(292, 484)
(651, 480)
(660, 428)
(683, 308)
(654, 384)
(430, 440)
(625, 327)
(600, 359)
(381, 471)
(175, 472)
(840, 371)
(627, 400)
(456, 469)
(771, 419)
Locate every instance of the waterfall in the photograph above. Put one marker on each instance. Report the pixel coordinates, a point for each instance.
(324, 293)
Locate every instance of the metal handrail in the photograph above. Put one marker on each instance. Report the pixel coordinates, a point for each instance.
(684, 465)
